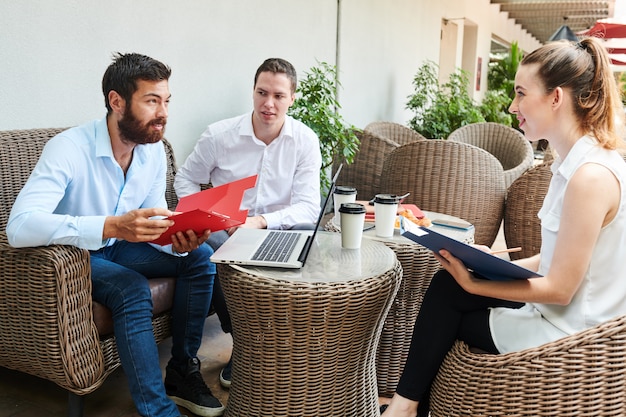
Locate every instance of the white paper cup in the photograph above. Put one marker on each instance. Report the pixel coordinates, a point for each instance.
(341, 195)
(385, 212)
(352, 218)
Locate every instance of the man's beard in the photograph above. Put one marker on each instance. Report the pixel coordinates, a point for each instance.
(132, 130)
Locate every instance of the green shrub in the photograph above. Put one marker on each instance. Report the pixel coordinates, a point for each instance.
(501, 76)
(317, 107)
(495, 107)
(440, 109)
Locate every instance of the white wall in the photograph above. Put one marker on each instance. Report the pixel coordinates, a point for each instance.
(384, 42)
(53, 53)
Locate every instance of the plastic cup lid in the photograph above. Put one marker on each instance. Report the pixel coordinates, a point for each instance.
(344, 189)
(386, 199)
(352, 208)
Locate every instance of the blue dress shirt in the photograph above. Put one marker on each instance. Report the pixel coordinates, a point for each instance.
(77, 183)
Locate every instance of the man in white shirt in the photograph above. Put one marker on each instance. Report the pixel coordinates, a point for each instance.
(283, 152)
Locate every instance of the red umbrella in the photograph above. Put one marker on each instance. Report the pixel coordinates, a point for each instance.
(607, 28)
(617, 62)
(610, 29)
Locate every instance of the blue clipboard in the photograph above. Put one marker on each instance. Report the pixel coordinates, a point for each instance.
(482, 264)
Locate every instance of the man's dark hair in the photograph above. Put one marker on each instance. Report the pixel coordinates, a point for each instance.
(278, 66)
(126, 69)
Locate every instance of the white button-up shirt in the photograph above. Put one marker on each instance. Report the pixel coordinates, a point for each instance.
(287, 191)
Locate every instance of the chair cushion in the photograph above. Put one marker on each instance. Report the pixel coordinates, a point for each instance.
(162, 290)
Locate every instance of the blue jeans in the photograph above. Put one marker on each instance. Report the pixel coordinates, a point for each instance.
(120, 275)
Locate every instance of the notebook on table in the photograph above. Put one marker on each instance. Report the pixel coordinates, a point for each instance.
(274, 248)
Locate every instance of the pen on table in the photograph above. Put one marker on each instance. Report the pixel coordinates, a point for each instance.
(495, 252)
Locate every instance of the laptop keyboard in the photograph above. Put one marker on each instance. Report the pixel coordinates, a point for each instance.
(277, 247)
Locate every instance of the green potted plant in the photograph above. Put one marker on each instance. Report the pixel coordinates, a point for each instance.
(440, 109)
(495, 107)
(502, 70)
(317, 107)
(501, 75)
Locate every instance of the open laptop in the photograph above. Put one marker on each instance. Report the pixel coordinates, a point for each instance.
(275, 248)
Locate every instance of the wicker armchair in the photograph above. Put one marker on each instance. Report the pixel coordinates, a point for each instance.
(451, 178)
(579, 375)
(522, 227)
(364, 172)
(49, 325)
(508, 145)
(395, 132)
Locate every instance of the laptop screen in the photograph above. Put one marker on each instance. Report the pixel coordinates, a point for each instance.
(309, 243)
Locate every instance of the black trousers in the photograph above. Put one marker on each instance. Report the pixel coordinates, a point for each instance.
(447, 313)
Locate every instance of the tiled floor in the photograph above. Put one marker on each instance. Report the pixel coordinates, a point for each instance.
(23, 395)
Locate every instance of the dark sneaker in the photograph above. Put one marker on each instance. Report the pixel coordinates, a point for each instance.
(225, 374)
(189, 390)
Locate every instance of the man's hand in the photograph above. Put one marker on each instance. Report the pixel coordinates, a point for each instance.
(254, 222)
(137, 225)
(141, 226)
(188, 241)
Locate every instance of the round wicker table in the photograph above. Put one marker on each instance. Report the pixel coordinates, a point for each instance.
(418, 266)
(304, 340)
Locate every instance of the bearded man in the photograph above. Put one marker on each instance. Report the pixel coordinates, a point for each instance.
(101, 187)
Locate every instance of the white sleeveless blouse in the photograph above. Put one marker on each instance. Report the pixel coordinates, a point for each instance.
(602, 294)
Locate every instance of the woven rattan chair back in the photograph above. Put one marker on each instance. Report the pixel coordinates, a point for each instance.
(20, 152)
(364, 172)
(395, 132)
(508, 145)
(451, 178)
(170, 194)
(523, 201)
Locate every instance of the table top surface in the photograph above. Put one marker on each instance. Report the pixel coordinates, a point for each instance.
(329, 262)
(458, 234)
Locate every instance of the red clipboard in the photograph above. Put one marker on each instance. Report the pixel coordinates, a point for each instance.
(214, 209)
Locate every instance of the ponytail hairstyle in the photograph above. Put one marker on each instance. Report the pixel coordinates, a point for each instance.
(584, 68)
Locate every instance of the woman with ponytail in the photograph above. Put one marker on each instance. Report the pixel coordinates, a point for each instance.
(565, 93)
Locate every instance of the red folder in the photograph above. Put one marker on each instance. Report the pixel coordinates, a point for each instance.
(214, 209)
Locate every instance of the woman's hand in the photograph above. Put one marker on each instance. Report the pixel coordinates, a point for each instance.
(141, 225)
(456, 268)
